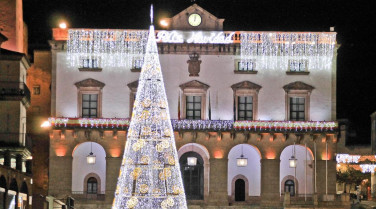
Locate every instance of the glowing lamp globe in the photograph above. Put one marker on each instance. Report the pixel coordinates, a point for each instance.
(90, 159)
(293, 162)
(63, 25)
(241, 161)
(45, 124)
(192, 161)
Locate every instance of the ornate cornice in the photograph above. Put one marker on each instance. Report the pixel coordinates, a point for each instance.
(298, 85)
(89, 83)
(246, 85)
(194, 85)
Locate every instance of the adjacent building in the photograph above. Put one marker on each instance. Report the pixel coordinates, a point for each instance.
(245, 105)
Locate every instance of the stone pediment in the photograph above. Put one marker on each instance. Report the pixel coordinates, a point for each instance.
(133, 85)
(209, 22)
(246, 85)
(89, 83)
(298, 85)
(194, 85)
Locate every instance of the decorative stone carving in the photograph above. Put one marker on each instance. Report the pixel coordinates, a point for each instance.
(298, 85)
(246, 85)
(89, 83)
(194, 85)
(194, 64)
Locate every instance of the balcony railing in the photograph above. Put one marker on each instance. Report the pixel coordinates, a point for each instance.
(205, 125)
(16, 140)
(14, 91)
(80, 195)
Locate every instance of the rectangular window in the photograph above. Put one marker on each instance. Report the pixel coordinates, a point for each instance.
(137, 63)
(36, 90)
(89, 63)
(245, 108)
(297, 108)
(193, 107)
(249, 65)
(89, 105)
(298, 65)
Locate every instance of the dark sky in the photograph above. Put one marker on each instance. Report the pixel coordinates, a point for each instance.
(353, 21)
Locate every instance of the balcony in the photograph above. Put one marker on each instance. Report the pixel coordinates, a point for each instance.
(19, 142)
(15, 91)
(83, 195)
(205, 125)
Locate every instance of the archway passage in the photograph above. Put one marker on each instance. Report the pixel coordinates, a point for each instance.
(290, 187)
(193, 176)
(239, 190)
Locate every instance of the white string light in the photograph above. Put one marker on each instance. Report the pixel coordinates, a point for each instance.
(150, 173)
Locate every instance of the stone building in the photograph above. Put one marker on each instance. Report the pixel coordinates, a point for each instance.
(260, 97)
(15, 143)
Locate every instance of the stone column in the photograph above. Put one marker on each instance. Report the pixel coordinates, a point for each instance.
(321, 177)
(112, 173)
(19, 162)
(270, 182)
(7, 158)
(373, 185)
(217, 183)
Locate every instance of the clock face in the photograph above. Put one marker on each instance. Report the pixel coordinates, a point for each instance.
(194, 19)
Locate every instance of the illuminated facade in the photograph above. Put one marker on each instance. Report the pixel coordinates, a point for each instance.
(264, 95)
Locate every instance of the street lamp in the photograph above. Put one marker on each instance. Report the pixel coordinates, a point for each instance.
(241, 161)
(90, 159)
(293, 161)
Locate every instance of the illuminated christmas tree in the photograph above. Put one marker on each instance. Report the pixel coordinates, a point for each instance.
(150, 173)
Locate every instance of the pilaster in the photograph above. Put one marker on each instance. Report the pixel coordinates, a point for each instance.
(217, 186)
(270, 194)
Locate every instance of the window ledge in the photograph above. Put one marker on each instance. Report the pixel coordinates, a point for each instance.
(245, 71)
(84, 69)
(137, 70)
(297, 73)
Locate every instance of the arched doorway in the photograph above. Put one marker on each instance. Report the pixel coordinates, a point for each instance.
(3, 189)
(193, 176)
(239, 190)
(92, 185)
(24, 193)
(290, 187)
(81, 168)
(12, 197)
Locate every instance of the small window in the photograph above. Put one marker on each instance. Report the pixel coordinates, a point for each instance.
(298, 65)
(137, 64)
(92, 185)
(36, 90)
(90, 63)
(297, 108)
(245, 108)
(89, 105)
(248, 65)
(193, 107)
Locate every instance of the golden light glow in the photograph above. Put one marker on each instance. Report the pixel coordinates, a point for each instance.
(163, 23)
(63, 25)
(46, 124)
(218, 154)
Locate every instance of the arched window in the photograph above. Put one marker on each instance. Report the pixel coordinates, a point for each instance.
(92, 185)
(239, 190)
(290, 187)
(193, 176)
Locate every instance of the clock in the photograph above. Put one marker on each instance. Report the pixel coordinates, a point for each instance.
(194, 19)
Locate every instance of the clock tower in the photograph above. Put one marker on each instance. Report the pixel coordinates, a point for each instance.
(195, 18)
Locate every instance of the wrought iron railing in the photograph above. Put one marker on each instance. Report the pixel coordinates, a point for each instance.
(19, 89)
(16, 140)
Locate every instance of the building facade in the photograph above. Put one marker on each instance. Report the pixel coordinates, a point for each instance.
(259, 96)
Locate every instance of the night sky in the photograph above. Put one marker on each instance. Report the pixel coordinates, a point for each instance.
(353, 21)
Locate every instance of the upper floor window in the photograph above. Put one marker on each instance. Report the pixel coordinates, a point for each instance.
(90, 64)
(36, 90)
(245, 100)
(245, 108)
(92, 185)
(298, 101)
(137, 64)
(194, 100)
(245, 66)
(89, 98)
(193, 107)
(297, 108)
(89, 105)
(298, 67)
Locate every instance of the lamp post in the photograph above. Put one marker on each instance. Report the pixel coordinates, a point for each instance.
(90, 159)
(242, 161)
